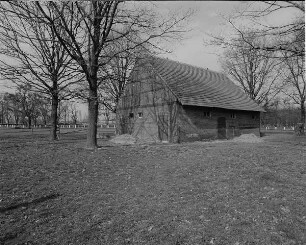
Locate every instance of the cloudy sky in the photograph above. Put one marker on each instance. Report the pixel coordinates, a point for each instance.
(209, 18)
(206, 19)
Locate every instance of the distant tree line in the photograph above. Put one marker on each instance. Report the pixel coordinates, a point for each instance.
(281, 117)
(28, 108)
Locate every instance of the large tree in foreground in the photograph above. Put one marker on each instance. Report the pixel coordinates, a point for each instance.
(32, 56)
(87, 29)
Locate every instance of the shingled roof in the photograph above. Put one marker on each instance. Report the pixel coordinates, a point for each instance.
(202, 87)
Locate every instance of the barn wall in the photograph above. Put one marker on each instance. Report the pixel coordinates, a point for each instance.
(198, 123)
(147, 109)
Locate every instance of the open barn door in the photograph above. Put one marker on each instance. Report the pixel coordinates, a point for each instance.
(221, 128)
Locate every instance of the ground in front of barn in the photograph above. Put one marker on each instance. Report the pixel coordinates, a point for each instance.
(224, 192)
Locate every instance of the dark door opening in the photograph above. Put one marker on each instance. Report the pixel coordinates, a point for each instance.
(221, 128)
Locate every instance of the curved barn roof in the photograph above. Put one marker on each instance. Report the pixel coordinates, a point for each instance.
(202, 87)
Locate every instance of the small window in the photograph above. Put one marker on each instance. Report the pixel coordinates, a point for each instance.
(206, 114)
(131, 115)
(233, 115)
(140, 114)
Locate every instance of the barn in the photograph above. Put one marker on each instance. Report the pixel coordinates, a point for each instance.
(166, 100)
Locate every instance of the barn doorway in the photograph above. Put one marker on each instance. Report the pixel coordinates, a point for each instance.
(221, 128)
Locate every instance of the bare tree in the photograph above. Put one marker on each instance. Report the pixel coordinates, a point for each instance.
(13, 106)
(6, 109)
(44, 108)
(106, 113)
(64, 111)
(33, 55)
(282, 113)
(295, 88)
(27, 103)
(252, 69)
(83, 30)
(164, 111)
(281, 34)
(23, 106)
(9, 108)
(285, 42)
(74, 114)
(115, 74)
(86, 29)
(115, 79)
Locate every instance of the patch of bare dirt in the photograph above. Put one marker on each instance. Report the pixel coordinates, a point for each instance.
(126, 139)
(249, 138)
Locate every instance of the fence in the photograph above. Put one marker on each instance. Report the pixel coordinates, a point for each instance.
(60, 126)
(20, 126)
(280, 128)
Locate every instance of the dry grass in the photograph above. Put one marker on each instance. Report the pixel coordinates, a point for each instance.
(195, 193)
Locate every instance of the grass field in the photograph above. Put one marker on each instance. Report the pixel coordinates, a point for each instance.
(195, 193)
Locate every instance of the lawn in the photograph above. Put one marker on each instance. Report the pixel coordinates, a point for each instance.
(192, 193)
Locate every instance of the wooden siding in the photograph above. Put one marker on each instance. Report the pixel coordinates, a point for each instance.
(166, 117)
(147, 94)
(194, 125)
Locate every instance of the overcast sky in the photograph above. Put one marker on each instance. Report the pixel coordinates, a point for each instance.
(207, 19)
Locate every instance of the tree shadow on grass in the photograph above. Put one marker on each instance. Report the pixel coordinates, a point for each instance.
(27, 204)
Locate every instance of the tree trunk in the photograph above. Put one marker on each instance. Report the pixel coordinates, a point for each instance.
(2, 113)
(29, 122)
(92, 119)
(303, 116)
(35, 121)
(54, 116)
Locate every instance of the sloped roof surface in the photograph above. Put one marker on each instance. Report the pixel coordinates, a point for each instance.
(202, 87)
